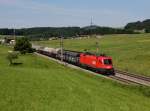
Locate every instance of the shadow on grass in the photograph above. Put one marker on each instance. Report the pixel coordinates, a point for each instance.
(16, 64)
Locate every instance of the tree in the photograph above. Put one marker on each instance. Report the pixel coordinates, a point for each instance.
(12, 56)
(23, 45)
(147, 30)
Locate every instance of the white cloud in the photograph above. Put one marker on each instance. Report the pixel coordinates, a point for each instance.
(37, 7)
(30, 13)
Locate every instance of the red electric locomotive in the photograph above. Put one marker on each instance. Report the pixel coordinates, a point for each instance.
(101, 64)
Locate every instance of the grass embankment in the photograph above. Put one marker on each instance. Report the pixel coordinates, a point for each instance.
(129, 52)
(42, 85)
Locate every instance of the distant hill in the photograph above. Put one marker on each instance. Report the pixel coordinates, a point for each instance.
(38, 33)
(91, 27)
(139, 25)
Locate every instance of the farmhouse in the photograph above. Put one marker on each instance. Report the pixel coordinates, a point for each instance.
(8, 40)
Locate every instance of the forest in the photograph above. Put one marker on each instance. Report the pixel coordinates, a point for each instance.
(47, 32)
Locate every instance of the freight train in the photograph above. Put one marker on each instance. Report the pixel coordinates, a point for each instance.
(101, 64)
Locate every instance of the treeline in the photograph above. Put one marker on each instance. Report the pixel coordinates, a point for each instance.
(105, 30)
(48, 32)
(144, 25)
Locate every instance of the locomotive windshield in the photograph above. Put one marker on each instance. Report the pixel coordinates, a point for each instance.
(107, 61)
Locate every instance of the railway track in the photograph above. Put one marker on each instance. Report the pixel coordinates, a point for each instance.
(123, 80)
(131, 78)
(120, 76)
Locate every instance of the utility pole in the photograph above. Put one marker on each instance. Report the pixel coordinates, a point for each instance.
(61, 46)
(14, 33)
(97, 48)
(91, 24)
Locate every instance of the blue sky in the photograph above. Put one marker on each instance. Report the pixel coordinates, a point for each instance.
(49, 13)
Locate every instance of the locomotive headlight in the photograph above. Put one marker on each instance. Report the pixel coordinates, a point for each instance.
(108, 67)
(94, 62)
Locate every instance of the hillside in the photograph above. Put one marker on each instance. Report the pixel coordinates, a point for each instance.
(42, 85)
(139, 25)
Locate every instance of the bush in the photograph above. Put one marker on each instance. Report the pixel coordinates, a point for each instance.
(23, 45)
(12, 56)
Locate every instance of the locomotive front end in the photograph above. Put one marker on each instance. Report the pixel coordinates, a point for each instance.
(105, 65)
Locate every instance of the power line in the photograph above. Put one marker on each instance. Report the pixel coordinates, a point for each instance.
(61, 46)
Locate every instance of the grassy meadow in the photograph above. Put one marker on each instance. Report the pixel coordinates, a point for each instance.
(129, 52)
(43, 85)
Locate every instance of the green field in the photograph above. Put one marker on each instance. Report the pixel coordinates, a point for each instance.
(129, 52)
(42, 85)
